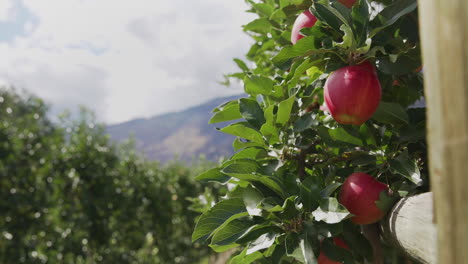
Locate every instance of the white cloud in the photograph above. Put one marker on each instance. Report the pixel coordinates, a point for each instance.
(5, 9)
(126, 59)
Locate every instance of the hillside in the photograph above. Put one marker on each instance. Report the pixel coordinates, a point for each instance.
(184, 134)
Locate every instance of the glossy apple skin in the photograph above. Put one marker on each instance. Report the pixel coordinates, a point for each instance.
(358, 194)
(348, 3)
(352, 94)
(323, 259)
(306, 19)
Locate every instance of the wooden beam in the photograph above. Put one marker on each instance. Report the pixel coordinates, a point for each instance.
(409, 226)
(444, 35)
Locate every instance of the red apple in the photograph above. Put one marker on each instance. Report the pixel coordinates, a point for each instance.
(352, 94)
(348, 3)
(323, 259)
(306, 19)
(358, 194)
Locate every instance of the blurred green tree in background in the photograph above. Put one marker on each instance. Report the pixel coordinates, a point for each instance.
(70, 195)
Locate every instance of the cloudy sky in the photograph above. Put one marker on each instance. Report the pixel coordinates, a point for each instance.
(123, 59)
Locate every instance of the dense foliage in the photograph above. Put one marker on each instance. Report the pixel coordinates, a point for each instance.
(68, 195)
(292, 156)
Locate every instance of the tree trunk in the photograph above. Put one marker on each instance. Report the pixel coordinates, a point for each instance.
(444, 35)
(409, 226)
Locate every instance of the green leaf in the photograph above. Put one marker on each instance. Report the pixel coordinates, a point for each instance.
(213, 175)
(284, 110)
(230, 232)
(256, 231)
(228, 113)
(391, 113)
(331, 211)
(310, 194)
(252, 199)
(269, 114)
(269, 129)
(344, 135)
(330, 189)
(291, 244)
(255, 85)
(278, 15)
(343, 10)
(254, 153)
(330, 16)
(264, 9)
(241, 166)
(304, 122)
(412, 133)
(245, 259)
(324, 134)
(270, 207)
(301, 47)
(361, 16)
(392, 13)
(241, 64)
(307, 251)
(404, 64)
(225, 104)
(252, 112)
(270, 132)
(300, 248)
(218, 215)
(348, 38)
(406, 167)
(247, 171)
(352, 236)
(222, 248)
(298, 72)
(264, 241)
(386, 201)
(244, 130)
(289, 210)
(239, 144)
(260, 25)
(367, 134)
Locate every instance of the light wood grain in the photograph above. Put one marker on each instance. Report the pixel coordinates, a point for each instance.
(409, 226)
(444, 34)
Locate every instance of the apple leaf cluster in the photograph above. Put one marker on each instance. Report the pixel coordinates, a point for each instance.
(292, 157)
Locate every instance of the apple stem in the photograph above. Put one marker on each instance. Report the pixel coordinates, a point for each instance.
(372, 233)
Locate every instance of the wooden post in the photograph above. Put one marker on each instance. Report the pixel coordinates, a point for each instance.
(409, 226)
(444, 34)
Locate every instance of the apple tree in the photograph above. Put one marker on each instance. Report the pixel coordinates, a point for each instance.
(70, 195)
(330, 132)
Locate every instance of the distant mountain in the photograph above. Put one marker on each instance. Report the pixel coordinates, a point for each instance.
(184, 134)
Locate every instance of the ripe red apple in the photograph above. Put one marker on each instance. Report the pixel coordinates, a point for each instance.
(358, 194)
(348, 3)
(323, 259)
(352, 93)
(306, 19)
